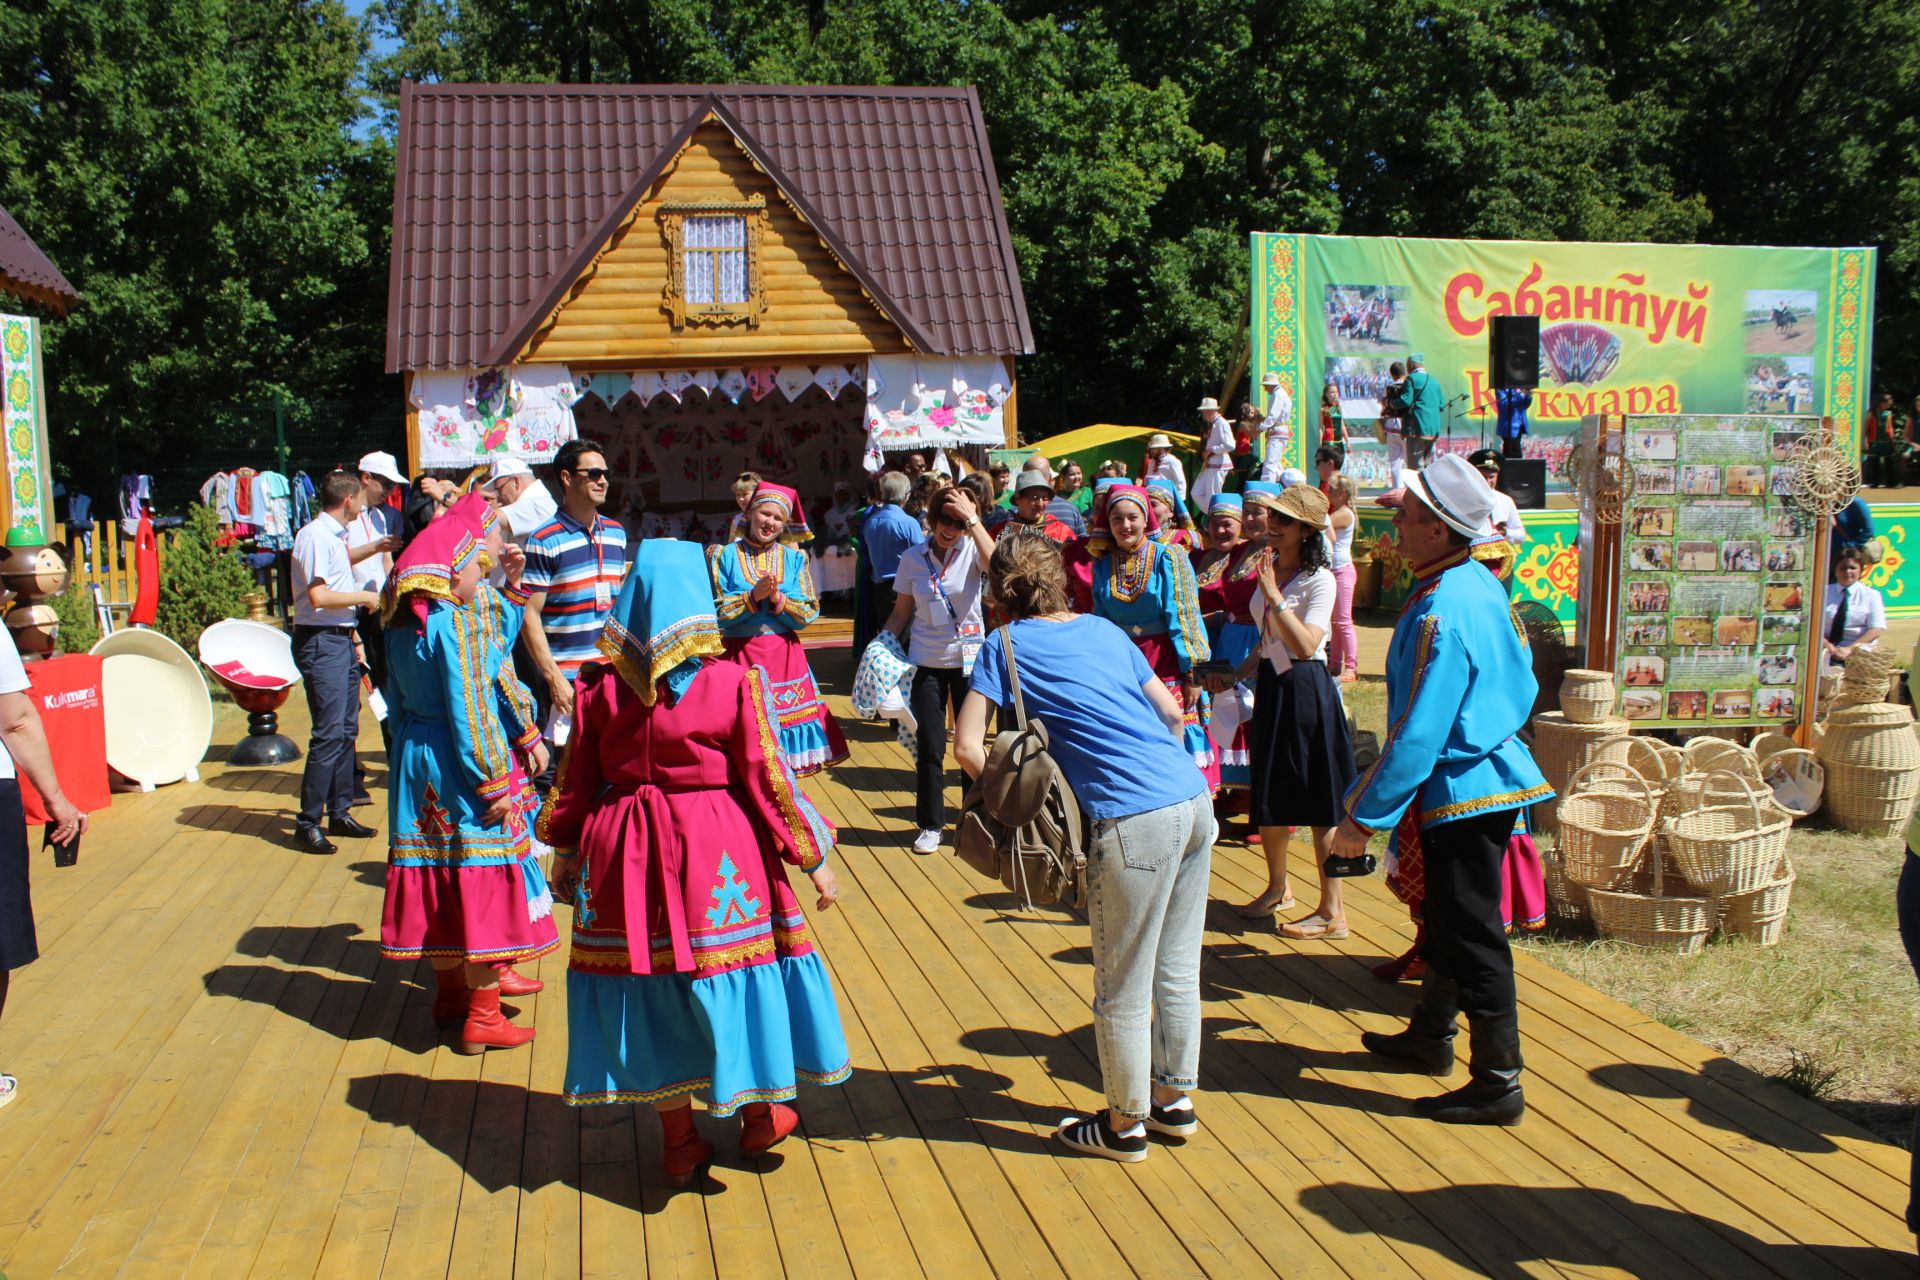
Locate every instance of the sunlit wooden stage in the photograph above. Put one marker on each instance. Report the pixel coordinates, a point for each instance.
(219, 1077)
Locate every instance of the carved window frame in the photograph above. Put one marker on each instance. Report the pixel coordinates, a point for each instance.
(673, 216)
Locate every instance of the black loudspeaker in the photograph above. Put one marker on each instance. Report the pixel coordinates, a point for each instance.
(1513, 351)
(1525, 481)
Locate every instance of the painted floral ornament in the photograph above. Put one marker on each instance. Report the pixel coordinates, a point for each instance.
(793, 379)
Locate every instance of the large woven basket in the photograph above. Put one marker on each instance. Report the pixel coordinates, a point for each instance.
(1759, 915)
(1728, 849)
(1605, 821)
(1768, 743)
(1651, 758)
(1705, 753)
(1562, 748)
(1646, 915)
(1586, 696)
(1872, 759)
(1566, 899)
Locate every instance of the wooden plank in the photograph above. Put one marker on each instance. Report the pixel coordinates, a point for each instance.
(547, 1239)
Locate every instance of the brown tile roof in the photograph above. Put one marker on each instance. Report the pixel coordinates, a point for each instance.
(504, 192)
(26, 272)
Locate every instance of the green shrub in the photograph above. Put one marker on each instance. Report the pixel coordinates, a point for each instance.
(79, 627)
(202, 584)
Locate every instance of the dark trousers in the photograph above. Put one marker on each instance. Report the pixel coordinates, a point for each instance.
(1466, 940)
(1907, 906)
(934, 690)
(1419, 450)
(1513, 447)
(332, 679)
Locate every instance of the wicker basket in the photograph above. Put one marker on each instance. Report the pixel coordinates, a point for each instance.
(1705, 753)
(1872, 759)
(1586, 697)
(1651, 758)
(1566, 899)
(1759, 915)
(1562, 748)
(1796, 780)
(1769, 743)
(1725, 849)
(1604, 825)
(1646, 916)
(1865, 677)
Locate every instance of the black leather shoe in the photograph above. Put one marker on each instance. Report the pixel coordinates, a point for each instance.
(313, 840)
(344, 825)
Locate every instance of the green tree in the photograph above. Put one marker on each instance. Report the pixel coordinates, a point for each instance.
(197, 169)
(203, 582)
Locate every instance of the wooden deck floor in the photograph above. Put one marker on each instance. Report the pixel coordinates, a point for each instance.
(219, 1077)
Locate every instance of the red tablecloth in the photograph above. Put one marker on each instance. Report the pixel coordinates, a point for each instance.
(66, 692)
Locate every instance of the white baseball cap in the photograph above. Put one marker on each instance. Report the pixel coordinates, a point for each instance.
(381, 463)
(1454, 491)
(504, 466)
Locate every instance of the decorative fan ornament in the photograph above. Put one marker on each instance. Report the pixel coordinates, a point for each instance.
(1579, 353)
(1825, 478)
(1599, 476)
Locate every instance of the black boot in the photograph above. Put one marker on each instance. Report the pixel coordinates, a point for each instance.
(1427, 1043)
(1492, 1095)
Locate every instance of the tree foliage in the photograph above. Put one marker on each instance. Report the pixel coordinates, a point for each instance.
(202, 169)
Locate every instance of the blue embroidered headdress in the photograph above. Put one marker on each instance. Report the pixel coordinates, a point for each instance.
(662, 625)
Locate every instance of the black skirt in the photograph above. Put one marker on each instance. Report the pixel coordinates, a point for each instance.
(18, 945)
(1300, 756)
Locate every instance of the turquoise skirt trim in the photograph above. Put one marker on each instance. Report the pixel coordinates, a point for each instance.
(747, 1035)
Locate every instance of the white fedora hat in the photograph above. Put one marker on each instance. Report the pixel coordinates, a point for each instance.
(1270, 380)
(1209, 403)
(1455, 492)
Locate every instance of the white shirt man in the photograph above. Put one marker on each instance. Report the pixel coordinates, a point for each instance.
(1216, 454)
(525, 504)
(379, 473)
(1161, 462)
(1276, 429)
(320, 555)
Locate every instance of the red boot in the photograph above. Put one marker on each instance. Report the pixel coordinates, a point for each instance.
(450, 1001)
(685, 1151)
(486, 1029)
(762, 1124)
(513, 984)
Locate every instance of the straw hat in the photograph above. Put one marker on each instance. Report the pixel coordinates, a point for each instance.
(1270, 380)
(1209, 403)
(1304, 503)
(1158, 440)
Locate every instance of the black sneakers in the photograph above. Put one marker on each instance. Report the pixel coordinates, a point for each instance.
(1176, 1121)
(1093, 1136)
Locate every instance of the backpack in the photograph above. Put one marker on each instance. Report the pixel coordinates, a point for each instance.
(1020, 822)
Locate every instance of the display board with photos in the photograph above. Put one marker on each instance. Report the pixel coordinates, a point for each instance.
(1719, 598)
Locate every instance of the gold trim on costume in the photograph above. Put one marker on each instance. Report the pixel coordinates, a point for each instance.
(1461, 808)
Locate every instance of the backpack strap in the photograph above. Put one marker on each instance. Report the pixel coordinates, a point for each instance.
(1013, 677)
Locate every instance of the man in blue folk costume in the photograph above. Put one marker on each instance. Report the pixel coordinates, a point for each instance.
(1451, 773)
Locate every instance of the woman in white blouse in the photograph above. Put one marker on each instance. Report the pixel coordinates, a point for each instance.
(1302, 760)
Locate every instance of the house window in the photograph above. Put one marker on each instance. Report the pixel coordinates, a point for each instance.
(715, 255)
(714, 250)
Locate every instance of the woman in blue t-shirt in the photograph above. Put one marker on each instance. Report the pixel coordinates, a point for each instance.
(1116, 731)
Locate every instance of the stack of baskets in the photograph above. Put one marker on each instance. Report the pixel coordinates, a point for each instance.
(1661, 862)
(1869, 752)
(1562, 747)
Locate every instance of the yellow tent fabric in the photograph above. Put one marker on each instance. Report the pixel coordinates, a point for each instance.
(1106, 433)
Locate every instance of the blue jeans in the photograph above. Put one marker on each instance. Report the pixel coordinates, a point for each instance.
(1147, 906)
(1907, 905)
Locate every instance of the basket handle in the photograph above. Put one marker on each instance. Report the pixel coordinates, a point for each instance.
(1746, 788)
(1646, 792)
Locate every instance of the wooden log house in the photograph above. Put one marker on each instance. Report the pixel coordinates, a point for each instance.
(705, 280)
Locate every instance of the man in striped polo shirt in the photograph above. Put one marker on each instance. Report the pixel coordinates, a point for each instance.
(575, 563)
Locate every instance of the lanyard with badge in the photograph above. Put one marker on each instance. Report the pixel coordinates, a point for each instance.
(602, 593)
(970, 634)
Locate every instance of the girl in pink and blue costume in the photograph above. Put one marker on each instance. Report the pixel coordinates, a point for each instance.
(1147, 589)
(673, 820)
(764, 596)
(458, 890)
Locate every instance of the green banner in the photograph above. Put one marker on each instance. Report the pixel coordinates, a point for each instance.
(1624, 328)
(23, 424)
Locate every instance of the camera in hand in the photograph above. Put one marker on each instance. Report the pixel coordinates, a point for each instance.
(1339, 868)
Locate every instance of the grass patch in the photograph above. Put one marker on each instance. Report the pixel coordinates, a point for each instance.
(1830, 1012)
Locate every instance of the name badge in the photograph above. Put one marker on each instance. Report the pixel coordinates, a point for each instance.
(602, 594)
(971, 637)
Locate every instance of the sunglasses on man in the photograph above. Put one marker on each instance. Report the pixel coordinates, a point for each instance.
(591, 473)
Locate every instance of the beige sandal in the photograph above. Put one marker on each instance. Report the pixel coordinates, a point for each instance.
(1315, 926)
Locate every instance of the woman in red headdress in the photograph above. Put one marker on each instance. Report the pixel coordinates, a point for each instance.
(458, 890)
(763, 593)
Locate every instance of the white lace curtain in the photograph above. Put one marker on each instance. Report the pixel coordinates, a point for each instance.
(716, 259)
